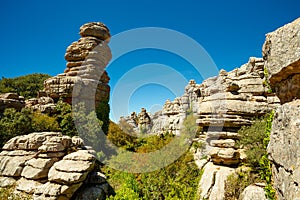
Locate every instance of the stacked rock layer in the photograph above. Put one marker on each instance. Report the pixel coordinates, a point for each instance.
(49, 165)
(85, 77)
(230, 101)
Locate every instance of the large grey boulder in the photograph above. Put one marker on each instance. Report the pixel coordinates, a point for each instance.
(253, 192)
(281, 53)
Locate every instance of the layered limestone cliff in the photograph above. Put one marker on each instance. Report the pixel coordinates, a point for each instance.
(282, 57)
(48, 165)
(86, 62)
(228, 102)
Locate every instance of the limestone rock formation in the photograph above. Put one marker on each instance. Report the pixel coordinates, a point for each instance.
(212, 182)
(86, 62)
(229, 101)
(171, 117)
(43, 104)
(48, 165)
(282, 58)
(11, 100)
(253, 192)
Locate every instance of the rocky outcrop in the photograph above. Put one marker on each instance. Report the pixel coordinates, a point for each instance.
(282, 58)
(42, 104)
(86, 62)
(253, 192)
(11, 100)
(171, 117)
(281, 53)
(48, 165)
(228, 102)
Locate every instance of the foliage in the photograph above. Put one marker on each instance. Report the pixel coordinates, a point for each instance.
(266, 83)
(127, 187)
(178, 180)
(7, 193)
(102, 112)
(65, 119)
(27, 86)
(14, 123)
(42, 122)
(253, 140)
(119, 138)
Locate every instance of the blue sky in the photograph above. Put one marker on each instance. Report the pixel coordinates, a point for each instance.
(35, 34)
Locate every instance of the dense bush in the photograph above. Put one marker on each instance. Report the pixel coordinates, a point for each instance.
(14, 123)
(65, 119)
(102, 112)
(27, 86)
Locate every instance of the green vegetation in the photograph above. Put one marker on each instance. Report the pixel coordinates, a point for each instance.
(255, 140)
(7, 193)
(178, 180)
(266, 82)
(102, 113)
(26, 86)
(14, 123)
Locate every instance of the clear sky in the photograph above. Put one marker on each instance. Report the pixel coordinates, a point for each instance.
(35, 34)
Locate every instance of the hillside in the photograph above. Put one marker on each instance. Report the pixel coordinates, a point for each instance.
(233, 136)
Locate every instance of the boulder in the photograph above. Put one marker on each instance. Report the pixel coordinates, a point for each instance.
(253, 192)
(281, 53)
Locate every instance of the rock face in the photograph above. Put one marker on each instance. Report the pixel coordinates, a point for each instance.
(229, 101)
(11, 100)
(281, 52)
(171, 117)
(86, 62)
(49, 165)
(43, 104)
(253, 192)
(282, 58)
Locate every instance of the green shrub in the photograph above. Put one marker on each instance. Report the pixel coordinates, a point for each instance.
(27, 86)
(102, 112)
(42, 122)
(7, 193)
(65, 119)
(14, 123)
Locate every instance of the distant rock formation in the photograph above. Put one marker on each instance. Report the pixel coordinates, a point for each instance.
(49, 165)
(11, 100)
(171, 117)
(42, 103)
(282, 57)
(86, 62)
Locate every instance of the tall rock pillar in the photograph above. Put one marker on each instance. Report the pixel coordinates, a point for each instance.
(86, 62)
